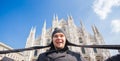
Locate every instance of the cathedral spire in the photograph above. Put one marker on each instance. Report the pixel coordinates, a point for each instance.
(81, 23)
(97, 35)
(44, 29)
(43, 33)
(55, 21)
(31, 37)
(82, 26)
(55, 17)
(44, 26)
(71, 21)
(95, 30)
(70, 18)
(30, 43)
(43, 36)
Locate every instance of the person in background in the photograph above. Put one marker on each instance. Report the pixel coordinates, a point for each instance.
(115, 57)
(59, 50)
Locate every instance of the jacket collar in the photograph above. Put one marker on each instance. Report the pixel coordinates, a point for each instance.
(52, 50)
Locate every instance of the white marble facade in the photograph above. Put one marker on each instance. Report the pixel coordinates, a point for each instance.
(75, 34)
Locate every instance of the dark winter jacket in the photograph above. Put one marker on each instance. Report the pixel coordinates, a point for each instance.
(60, 55)
(114, 58)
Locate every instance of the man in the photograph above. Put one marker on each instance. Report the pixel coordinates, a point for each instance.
(115, 57)
(59, 50)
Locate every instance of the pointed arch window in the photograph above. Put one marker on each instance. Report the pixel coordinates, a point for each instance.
(87, 58)
(48, 41)
(95, 50)
(35, 53)
(83, 50)
(80, 40)
(99, 58)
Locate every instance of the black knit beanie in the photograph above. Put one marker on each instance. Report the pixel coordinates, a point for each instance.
(58, 30)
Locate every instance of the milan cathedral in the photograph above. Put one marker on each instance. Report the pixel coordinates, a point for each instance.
(75, 34)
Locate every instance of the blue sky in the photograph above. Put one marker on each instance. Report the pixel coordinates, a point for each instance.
(17, 17)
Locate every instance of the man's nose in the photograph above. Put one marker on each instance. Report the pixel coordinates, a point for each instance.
(59, 37)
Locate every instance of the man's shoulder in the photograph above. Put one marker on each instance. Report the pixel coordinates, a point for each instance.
(72, 52)
(43, 54)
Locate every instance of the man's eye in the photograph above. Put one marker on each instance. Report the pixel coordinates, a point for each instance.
(55, 36)
(61, 35)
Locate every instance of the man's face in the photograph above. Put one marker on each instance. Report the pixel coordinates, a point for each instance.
(59, 40)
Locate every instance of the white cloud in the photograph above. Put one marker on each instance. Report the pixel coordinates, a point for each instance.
(115, 26)
(103, 7)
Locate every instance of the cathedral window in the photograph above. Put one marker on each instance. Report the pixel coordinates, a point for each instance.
(80, 40)
(87, 58)
(48, 41)
(83, 50)
(99, 58)
(35, 53)
(95, 50)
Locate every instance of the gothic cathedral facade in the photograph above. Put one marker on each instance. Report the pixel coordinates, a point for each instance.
(77, 35)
